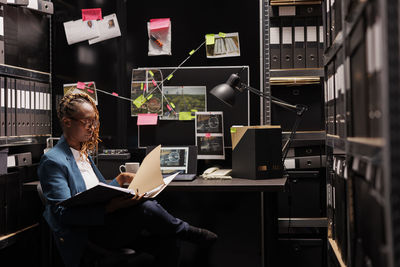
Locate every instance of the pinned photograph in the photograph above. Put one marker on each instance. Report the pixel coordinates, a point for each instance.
(108, 28)
(186, 99)
(159, 33)
(210, 135)
(78, 30)
(222, 45)
(146, 97)
(211, 147)
(209, 123)
(82, 87)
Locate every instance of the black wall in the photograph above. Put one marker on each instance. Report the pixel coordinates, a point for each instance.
(110, 63)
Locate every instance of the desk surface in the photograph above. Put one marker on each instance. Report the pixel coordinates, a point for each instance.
(236, 184)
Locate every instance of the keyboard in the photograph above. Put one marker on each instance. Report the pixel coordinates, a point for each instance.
(182, 177)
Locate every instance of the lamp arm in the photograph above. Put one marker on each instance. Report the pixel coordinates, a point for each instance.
(275, 100)
(298, 109)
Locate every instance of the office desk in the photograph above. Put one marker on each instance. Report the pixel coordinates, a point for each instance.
(269, 205)
(268, 195)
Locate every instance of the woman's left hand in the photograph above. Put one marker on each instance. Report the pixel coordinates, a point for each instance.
(125, 177)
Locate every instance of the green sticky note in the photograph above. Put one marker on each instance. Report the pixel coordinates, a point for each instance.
(210, 39)
(233, 130)
(151, 73)
(223, 35)
(170, 77)
(191, 52)
(185, 116)
(150, 96)
(172, 105)
(139, 101)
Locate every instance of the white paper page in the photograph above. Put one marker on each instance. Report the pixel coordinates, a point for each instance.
(78, 30)
(274, 35)
(153, 193)
(12, 98)
(287, 11)
(108, 28)
(286, 35)
(33, 4)
(18, 99)
(1, 26)
(3, 98)
(311, 34)
(299, 34)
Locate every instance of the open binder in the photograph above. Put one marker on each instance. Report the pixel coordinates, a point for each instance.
(148, 181)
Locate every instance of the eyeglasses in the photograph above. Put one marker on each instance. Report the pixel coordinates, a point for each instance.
(88, 123)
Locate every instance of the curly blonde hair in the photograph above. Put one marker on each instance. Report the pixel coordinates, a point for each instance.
(68, 108)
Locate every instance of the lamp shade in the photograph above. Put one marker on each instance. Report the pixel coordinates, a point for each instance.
(226, 91)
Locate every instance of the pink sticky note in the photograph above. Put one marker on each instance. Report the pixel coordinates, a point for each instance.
(114, 93)
(147, 119)
(80, 85)
(208, 135)
(154, 82)
(90, 91)
(90, 84)
(169, 108)
(159, 24)
(91, 14)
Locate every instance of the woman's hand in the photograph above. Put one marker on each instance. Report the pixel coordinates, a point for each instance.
(123, 202)
(125, 177)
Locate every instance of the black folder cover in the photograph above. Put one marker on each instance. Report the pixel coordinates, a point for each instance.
(287, 43)
(2, 107)
(311, 43)
(299, 59)
(100, 194)
(275, 43)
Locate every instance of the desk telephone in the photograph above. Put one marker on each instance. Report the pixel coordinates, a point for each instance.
(217, 173)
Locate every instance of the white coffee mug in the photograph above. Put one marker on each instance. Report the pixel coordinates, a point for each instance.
(129, 167)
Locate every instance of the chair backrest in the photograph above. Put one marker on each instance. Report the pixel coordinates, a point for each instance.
(41, 195)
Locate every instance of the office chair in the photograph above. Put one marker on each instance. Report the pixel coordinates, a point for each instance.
(96, 255)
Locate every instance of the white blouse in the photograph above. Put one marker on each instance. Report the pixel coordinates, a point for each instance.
(86, 169)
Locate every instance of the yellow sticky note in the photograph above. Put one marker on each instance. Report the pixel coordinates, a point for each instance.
(233, 130)
(210, 39)
(139, 101)
(191, 52)
(151, 73)
(172, 105)
(223, 35)
(141, 86)
(150, 96)
(170, 77)
(193, 110)
(185, 116)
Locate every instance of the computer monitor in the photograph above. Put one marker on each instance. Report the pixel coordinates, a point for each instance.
(182, 159)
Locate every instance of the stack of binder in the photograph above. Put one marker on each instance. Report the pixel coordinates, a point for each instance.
(25, 108)
(296, 38)
(333, 20)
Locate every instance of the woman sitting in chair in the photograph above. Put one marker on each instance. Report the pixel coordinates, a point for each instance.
(67, 170)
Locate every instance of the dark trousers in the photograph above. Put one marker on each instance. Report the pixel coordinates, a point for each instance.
(145, 227)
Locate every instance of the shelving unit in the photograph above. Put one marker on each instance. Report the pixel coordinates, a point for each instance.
(307, 175)
(361, 83)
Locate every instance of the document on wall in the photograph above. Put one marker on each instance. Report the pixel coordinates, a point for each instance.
(108, 28)
(148, 181)
(78, 30)
(210, 135)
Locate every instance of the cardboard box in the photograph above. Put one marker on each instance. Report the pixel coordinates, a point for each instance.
(257, 152)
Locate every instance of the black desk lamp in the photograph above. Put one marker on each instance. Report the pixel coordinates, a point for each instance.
(227, 92)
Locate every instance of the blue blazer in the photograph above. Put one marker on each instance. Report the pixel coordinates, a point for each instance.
(61, 179)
